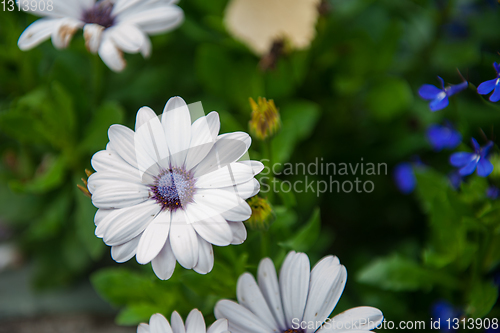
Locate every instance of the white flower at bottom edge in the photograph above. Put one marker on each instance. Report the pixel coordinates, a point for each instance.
(194, 324)
(110, 27)
(301, 301)
(170, 189)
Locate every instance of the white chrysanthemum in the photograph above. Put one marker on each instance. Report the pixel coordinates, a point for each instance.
(259, 23)
(301, 302)
(109, 26)
(194, 324)
(171, 189)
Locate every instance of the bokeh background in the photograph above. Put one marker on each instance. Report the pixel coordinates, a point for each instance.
(351, 94)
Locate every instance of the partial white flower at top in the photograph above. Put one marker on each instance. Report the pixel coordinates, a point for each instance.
(194, 324)
(110, 27)
(171, 189)
(301, 302)
(260, 23)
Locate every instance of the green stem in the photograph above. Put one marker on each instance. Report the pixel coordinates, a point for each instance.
(97, 80)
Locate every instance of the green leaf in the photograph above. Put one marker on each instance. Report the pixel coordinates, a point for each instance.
(96, 134)
(482, 297)
(396, 273)
(298, 121)
(389, 98)
(50, 174)
(307, 236)
(137, 313)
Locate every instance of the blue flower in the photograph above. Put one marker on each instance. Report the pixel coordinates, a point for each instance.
(404, 177)
(493, 192)
(441, 137)
(487, 86)
(443, 311)
(468, 162)
(439, 97)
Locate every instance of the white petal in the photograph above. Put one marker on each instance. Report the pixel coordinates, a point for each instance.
(176, 122)
(242, 212)
(203, 136)
(231, 174)
(110, 54)
(240, 318)
(122, 139)
(153, 17)
(218, 326)
(249, 296)
(328, 280)
(109, 178)
(37, 32)
(125, 252)
(227, 149)
(143, 328)
(115, 194)
(153, 238)
(360, 319)
(110, 162)
(205, 257)
(245, 190)
(146, 47)
(183, 240)
(219, 200)
(124, 224)
(100, 215)
(256, 166)
(239, 232)
(195, 322)
(294, 285)
(268, 284)
(164, 263)
(127, 37)
(92, 33)
(65, 31)
(150, 141)
(159, 324)
(209, 224)
(177, 323)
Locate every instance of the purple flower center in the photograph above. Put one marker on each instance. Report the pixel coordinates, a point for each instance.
(100, 14)
(173, 188)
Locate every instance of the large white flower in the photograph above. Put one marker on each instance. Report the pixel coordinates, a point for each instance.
(194, 324)
(109, 26)
(260, 23)
(302, 301)
(171, 189)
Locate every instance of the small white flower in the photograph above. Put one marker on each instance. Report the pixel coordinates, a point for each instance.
(301, 302)
(259, 23)
(110, 27)
(194, 324)
(171, 189)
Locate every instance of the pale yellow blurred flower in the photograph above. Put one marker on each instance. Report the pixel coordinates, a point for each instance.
(259, 23)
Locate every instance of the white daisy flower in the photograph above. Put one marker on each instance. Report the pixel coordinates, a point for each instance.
(109, 26)
(301, 302)
(194, 324)
(171, 189)
(260, 23)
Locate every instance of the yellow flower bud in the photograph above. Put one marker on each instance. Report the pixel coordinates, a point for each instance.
(265, 120)
(262, 213)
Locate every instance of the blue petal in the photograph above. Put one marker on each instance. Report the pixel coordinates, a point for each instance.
(484, 167)
(455, 180)
(442, 81)
(495, 97)
(496, 67)
(404, 177)
(493, 192)
(457, 88)
(486, 149)
(437, 136)
(428, 91)
(469, 168)
(439, 103)
(486, 87)
(476, 146)
(460, 159)
(454, 140)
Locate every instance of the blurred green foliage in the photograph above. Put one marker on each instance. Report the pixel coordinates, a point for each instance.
(352, 95)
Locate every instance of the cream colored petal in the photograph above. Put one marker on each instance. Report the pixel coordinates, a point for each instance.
(258, 23)
(92, 33)
(64, 33)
